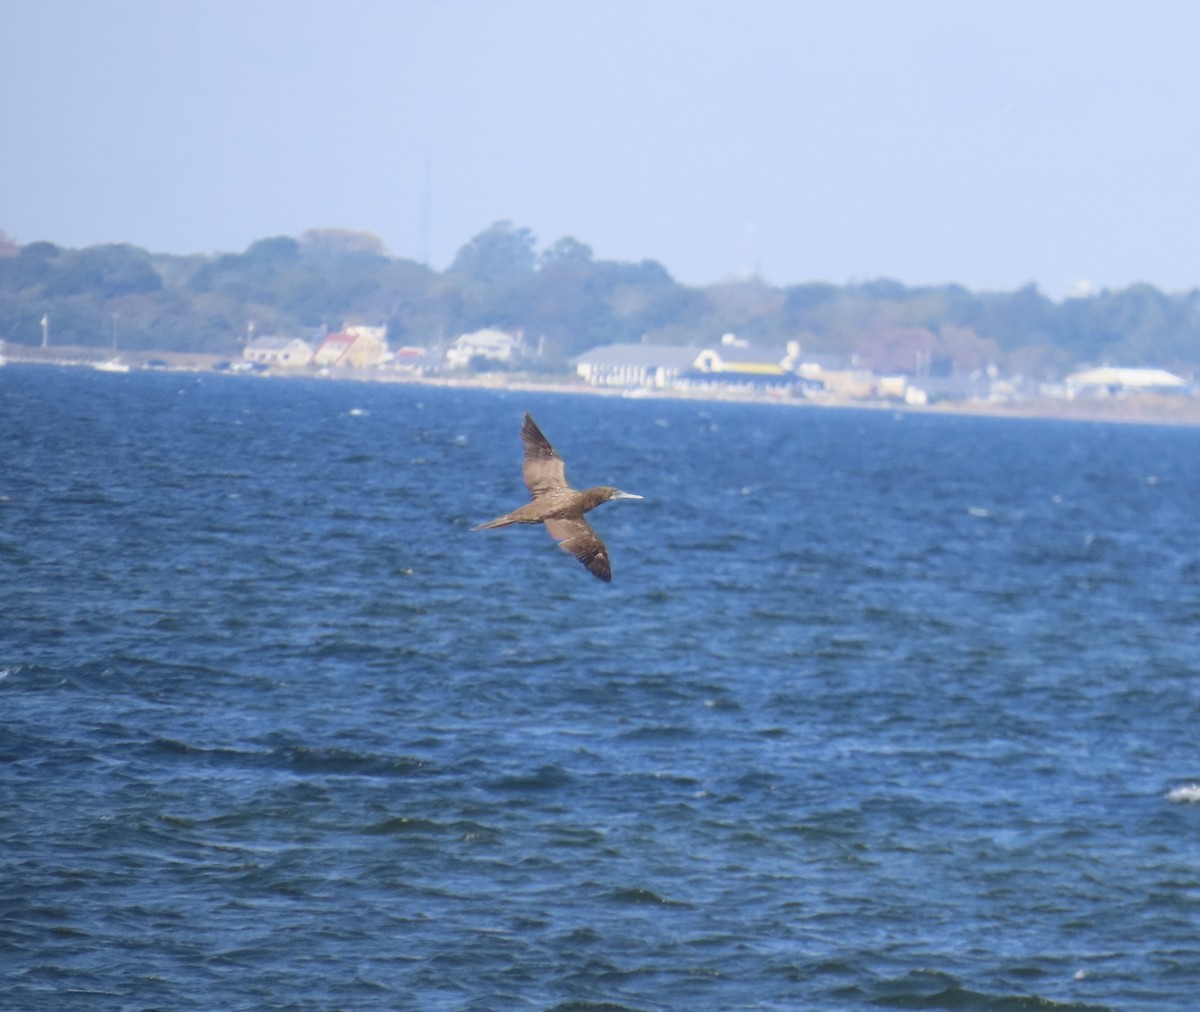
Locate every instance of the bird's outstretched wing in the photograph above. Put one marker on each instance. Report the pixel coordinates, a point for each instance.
(575, 535)
(544, 469)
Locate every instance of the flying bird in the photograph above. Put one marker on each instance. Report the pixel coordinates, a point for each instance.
(558, 506)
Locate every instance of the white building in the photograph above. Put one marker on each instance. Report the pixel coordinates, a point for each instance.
(490, 344)
(1108, 380)
(288, 351)
(734, 355)
(635, 365)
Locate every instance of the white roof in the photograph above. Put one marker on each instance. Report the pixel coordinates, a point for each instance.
(1112, 376)
(644, 356)
(486, 338)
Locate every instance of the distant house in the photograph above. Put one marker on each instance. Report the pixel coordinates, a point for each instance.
(734, 355)
(920, 390)
(353, 347)
(285, 351)
(817, 366)
(1110, 380)
(410, 358)
(635, 365)
(377, 335)
(490, 344)
(739, 363)
(333, 349)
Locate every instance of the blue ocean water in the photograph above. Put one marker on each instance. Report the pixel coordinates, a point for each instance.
(880, 710)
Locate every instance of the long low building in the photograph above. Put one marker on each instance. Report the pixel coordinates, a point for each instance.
(1112, 379)
(635, 365)
(731, 360)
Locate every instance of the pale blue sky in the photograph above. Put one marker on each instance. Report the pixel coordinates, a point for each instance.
(987, 143)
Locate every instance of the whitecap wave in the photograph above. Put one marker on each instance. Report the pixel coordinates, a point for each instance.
(1188, 793)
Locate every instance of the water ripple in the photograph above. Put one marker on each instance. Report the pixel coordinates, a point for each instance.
(897, 716)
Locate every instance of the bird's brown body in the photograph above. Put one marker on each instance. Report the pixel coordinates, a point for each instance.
(558, 506)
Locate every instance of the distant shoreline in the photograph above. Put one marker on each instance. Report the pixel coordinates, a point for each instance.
(1129, 408)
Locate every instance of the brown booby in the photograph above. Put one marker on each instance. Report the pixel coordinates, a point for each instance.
(558, 506)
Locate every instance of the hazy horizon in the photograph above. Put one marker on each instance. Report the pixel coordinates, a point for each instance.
(930, 142)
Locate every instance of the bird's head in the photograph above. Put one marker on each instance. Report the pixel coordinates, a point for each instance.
(593, 497)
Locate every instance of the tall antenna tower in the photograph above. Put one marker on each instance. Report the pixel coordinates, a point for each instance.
(425, 225)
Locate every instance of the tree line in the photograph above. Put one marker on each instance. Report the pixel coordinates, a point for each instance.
(564, 300)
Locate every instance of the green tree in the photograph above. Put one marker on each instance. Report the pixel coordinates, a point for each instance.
(277, 251)
(340, 242)
(565, 252)
(499, 254)
(106, 271)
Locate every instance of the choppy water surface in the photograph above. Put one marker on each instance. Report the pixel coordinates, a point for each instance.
(879, 711)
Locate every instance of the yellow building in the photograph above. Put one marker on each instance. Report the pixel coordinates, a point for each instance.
(353, 347)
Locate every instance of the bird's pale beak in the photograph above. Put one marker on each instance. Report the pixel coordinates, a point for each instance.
(627, 495)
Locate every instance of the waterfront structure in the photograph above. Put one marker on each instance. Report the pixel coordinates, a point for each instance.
(1111, 380)
(635, 365)
(354, 347)
(489, 344)
(737, 357)
(285, 351)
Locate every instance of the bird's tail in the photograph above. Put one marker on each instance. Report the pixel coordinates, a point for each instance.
(503, 521)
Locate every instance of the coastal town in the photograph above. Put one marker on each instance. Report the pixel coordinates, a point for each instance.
(728, 368)
(332, 304)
